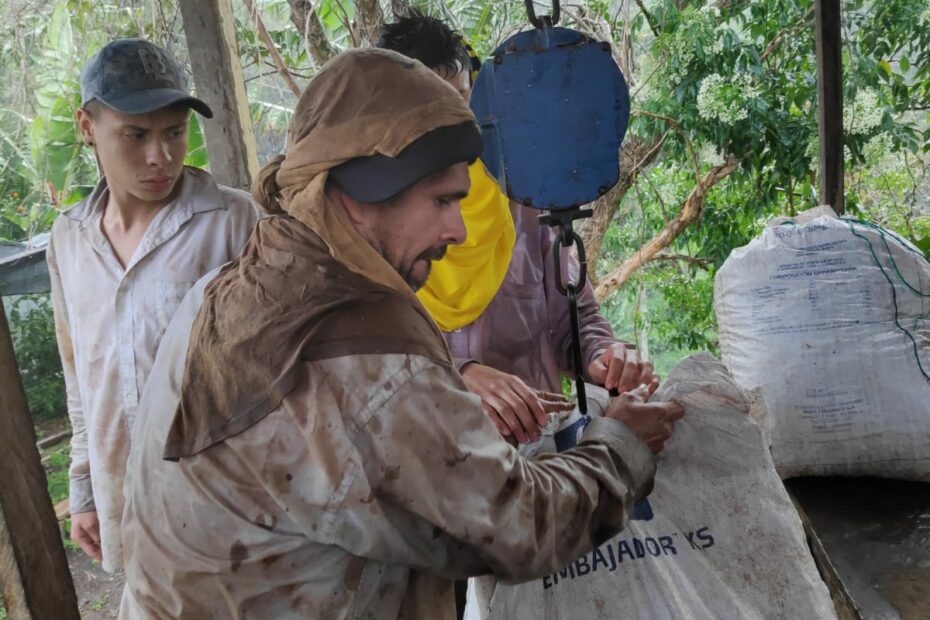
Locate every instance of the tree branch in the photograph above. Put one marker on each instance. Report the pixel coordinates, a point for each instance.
(308, 24)
(649, 18)
(692, 260)
(775, 42)
(369, 18)
(272, 49)
(690, 212)
(347, 23)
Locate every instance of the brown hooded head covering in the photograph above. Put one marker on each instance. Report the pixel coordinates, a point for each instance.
(308, 267)
(363, 102)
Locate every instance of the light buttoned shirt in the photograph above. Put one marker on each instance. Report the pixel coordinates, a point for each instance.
(109, 321)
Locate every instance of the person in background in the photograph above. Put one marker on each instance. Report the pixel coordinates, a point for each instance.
(121, 260)
(494, 296)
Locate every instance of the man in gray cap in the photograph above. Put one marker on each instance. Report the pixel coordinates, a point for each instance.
(121, 261)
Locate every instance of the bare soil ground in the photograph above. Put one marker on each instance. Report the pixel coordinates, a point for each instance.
(98, 592)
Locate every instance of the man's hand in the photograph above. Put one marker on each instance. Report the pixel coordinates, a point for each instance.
(620, 368)
(652, 422)
(85, 531)
(515, 409)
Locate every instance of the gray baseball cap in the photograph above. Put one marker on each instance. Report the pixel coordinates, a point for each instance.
(134, 76)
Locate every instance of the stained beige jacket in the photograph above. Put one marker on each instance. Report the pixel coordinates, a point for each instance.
(109, 321)
(376, 480)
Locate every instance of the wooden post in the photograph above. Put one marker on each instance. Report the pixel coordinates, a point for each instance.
(211, 43)
(34, 571)
(830, 98)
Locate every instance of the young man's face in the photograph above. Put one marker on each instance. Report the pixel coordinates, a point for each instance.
(460, 80)
(416, 229)
(142, 156)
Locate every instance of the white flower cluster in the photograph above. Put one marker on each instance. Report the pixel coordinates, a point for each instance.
(666, 184)
(878, 154)
(710, 100)
(670, 192)
(747, 86)
(725, 99)
(710, 10)
(862, 114)
(683, 52)
(709, 154)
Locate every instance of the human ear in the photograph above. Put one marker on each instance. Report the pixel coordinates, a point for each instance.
(85, 124)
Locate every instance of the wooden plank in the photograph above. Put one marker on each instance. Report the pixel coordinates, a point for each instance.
(830, 98)
(54, 440)
(211, 43)
(33, 568)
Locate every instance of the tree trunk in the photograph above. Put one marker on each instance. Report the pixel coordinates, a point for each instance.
(209, 27)
(690, 212)
(308, 24)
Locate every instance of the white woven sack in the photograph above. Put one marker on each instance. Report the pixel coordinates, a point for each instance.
(828, 321)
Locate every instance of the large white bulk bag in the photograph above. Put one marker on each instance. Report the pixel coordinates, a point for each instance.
(718, 537)
(828, 321)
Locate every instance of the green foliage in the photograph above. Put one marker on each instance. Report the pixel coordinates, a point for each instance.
(921, 226)
(44, 166)
(49, 173)
(70, 545)
(57, 462)
(896, 39)
(56, 472)
(196, 145)
(739, 79)
(32, 326)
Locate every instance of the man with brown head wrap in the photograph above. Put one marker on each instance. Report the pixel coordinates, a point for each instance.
(305, 447)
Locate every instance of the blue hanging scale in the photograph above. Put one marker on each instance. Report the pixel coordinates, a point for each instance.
(553, 108)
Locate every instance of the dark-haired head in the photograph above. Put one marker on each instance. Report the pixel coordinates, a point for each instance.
(433, 43)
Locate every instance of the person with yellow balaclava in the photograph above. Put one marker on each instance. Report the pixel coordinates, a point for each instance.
(494, 296)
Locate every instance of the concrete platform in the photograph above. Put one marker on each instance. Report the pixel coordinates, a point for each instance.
(871, 538)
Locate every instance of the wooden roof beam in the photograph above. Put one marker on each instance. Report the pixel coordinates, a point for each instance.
(209, 27)
(830, 99)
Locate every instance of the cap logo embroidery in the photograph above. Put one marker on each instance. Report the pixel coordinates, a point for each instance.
(153, 64)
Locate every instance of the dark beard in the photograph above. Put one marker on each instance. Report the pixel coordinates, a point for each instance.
(406, 271)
